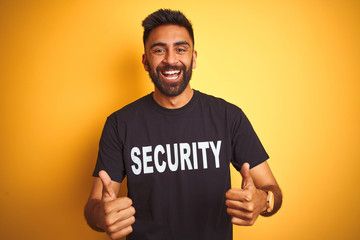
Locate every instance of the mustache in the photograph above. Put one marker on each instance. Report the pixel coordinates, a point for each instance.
(170, 68)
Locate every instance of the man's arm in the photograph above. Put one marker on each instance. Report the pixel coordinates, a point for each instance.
(264, 179)
(247, 203)
(105, 212)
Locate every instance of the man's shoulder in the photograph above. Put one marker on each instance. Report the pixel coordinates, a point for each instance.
(132, 108)
(217, 102)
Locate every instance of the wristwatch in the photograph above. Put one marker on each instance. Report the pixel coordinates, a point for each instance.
(269, 201)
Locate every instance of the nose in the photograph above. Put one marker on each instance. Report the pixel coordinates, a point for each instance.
(170, 58)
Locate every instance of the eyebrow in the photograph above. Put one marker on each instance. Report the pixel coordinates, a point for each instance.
(161, 44)
(181, 43)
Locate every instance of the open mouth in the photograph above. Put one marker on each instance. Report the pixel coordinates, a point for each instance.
(171, 74)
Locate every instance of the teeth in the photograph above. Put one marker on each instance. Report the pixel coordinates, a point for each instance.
(172, 72)
(172, 78)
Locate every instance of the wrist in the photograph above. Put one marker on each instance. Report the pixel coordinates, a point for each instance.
(264, 197)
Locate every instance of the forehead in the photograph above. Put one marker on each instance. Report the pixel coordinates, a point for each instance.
(168, 34)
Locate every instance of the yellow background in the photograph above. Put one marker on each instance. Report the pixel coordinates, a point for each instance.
(292, 66)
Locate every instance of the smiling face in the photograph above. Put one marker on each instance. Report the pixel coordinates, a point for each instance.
(169, 58)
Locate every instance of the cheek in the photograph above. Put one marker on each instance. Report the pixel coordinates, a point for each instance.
(154, 63)
(188, 60)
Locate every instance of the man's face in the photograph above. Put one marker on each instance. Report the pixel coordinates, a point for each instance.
(169, 58)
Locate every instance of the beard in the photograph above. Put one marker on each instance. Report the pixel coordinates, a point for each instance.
(170, 89)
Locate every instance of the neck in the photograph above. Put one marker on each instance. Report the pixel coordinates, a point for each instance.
(173, 102)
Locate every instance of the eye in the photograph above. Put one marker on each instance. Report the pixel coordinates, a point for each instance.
(181, 50)
(159, 51)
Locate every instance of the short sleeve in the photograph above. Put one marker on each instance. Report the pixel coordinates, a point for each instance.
(110, 156)
(246, 145)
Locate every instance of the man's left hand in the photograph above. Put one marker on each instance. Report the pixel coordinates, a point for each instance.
(245, 204)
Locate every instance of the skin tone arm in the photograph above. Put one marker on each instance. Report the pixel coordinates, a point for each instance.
(247, 203)
(105, 212)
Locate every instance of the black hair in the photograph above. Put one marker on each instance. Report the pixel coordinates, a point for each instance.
(166, 17)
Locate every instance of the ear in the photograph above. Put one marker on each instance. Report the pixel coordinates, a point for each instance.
(144, 62)
(194, 59)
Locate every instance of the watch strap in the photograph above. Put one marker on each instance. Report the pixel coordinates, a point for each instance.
(270, 201)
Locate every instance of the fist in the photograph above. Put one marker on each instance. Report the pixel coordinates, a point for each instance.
(115, 215)
(244, 205)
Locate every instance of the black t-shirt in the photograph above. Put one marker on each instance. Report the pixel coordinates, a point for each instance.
(178, 164)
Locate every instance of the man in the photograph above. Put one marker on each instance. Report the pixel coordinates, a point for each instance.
(175, 145)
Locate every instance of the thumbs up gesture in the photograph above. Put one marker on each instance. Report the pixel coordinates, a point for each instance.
(115, 215)
(244, 205)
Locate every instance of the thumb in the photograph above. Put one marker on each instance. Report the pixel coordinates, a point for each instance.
(247, 180)
(108, 193)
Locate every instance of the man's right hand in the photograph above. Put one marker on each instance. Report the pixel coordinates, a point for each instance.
(114, 215)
